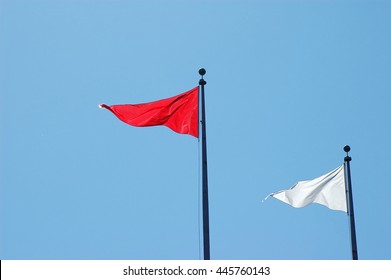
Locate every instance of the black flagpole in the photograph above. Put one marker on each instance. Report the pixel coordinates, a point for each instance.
(350, 203)
(205, 200)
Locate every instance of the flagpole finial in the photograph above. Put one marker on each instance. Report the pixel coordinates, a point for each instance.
(347, 150)
(202, 72)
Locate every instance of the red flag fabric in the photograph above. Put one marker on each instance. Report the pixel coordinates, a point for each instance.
(180, 113)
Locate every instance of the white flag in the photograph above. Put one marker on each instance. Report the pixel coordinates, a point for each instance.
(328, 190)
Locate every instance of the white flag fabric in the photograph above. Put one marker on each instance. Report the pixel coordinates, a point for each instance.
(328, 190)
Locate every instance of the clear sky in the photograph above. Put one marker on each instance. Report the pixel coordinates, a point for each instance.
(289, 84)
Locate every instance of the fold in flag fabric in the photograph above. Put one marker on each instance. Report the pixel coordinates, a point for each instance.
(328, 190)
(179, 113)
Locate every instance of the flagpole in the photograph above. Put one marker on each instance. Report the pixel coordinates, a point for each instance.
(350, 203)
(205, 199)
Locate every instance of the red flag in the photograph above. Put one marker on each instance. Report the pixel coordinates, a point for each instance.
(180, 113)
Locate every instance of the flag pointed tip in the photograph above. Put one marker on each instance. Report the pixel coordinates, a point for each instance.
(263, 200)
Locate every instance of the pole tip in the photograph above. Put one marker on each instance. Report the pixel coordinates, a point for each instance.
(202, 71)
(347, 150)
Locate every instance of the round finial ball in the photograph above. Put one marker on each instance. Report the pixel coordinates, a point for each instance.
(346, 149)
(202, 71)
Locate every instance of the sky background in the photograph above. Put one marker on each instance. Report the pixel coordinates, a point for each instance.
(289, 84)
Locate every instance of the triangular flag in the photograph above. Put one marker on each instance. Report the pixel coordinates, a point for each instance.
(328, 190)
(180, 113)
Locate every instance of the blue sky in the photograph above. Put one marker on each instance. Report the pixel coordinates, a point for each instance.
(289, 84)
